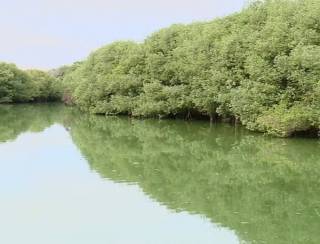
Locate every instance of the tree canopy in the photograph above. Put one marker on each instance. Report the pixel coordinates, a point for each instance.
(259, 67)
(26, 86)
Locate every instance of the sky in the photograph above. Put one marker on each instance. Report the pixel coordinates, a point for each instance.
(46, 34)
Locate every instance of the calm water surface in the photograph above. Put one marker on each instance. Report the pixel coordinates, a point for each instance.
(71, 178)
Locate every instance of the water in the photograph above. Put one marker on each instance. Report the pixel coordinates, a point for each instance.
(71, 178)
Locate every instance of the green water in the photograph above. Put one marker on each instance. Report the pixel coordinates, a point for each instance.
(70, 178)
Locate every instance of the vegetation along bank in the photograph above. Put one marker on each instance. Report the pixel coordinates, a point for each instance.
(259, 67)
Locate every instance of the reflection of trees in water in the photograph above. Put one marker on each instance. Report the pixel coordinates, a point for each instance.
(266, 189)
(16, 119)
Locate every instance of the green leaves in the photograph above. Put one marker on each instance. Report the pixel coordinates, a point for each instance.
(45, 87)
(260, 66)
(26, 86)
(15, 85)
(282, 121)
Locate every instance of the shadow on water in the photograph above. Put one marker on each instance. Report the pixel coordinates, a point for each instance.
(265, 189)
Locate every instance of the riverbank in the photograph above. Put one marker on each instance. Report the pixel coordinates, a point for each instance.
(258, 67)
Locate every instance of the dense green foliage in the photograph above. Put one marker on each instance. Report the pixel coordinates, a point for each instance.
(45, 86)
(260, 67)
(25, 86)
(15, 85)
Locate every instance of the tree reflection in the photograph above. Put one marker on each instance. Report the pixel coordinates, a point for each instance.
(16, 119)
(266, 189)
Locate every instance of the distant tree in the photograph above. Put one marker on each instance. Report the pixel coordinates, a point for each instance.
(45, 87)
(15, 85)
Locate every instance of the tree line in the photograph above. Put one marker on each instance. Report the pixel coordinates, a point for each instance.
(259, 67)
(17, 86)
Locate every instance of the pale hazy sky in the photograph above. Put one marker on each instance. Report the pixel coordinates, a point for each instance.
(49, 33)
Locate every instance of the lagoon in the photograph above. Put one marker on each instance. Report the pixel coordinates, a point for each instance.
(67, 177)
